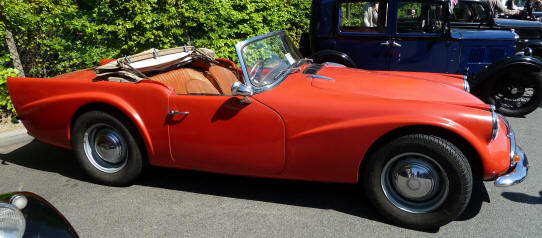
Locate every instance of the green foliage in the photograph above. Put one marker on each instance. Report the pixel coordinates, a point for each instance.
(5, 100)
(59, 36)
(353, 13)
(405, 9)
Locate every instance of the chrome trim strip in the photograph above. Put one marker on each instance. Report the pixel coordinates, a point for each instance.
(517, 175)
(331, 64)
(466, 85)
(321, 77)
(495, 123)
(510, 134)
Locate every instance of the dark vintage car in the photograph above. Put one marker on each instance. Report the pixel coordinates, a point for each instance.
(25, 214)
(528, 10)
(476, 14)
(418, 35)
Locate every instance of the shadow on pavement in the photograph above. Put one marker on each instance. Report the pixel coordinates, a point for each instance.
(345, 198)
(523, 198)
(479, 196)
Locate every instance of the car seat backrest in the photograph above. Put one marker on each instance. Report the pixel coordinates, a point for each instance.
(186, 81)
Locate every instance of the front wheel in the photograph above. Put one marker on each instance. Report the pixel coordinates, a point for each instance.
(419, 181)
(107, 147)
(516, 93)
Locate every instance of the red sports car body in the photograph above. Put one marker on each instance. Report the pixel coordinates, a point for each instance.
(309, 122)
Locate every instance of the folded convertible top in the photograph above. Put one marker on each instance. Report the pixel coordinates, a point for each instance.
(135, 67)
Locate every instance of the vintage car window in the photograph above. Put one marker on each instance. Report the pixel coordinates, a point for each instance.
(469, 12)
(517, 4)
(363, 16)
(420, 17)
(266, 59)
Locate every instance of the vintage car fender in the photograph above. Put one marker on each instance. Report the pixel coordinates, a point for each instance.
(482, 79)
(391, 126)
(84, 100)
(333, 56)
(535, 47)
(49, 111)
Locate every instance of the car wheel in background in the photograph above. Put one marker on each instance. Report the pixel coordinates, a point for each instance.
(517, 92)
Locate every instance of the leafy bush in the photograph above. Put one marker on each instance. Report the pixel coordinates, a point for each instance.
(5, 100)
(59, 36)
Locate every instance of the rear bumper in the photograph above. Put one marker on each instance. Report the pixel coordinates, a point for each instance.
(517, 174)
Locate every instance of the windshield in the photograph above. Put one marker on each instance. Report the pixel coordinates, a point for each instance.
(266, 59)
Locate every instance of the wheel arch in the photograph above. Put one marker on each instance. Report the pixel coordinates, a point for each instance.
(143, 136)
(473, 156)
(333, 56)
(482, 80)
(535, 45)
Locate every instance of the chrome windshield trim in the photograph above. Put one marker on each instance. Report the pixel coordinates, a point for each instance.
(239, 48)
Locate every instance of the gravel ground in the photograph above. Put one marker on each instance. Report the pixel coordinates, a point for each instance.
(6, 124)
(177, 203)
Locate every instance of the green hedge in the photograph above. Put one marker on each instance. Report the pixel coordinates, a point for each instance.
(5, 101)
(59, 36)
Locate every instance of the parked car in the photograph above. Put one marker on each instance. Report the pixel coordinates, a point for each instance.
(419, 35)
(528, 10)
(416, 144)
(25, 214)
(476, 14)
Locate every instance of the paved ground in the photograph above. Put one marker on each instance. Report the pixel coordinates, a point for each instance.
(174, 203)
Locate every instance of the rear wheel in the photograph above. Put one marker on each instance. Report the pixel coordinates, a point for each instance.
(517, 92)
(107, 147)
(419, 181)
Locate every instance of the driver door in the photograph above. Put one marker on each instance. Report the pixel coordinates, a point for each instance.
(220, 133)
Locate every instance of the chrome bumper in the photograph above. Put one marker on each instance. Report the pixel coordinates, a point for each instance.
(516, 175)
(518, 170)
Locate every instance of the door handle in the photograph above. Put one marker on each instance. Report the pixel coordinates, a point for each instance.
(173, 113)
(386, 43)
(396, 44)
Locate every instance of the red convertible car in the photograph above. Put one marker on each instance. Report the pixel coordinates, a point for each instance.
(416, 141)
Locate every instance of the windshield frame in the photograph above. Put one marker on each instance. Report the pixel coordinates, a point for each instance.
(287, 45)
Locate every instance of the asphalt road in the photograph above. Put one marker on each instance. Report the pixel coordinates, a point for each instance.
(176, 203)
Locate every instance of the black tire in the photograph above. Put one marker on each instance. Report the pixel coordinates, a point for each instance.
(516, 92)
(115, 128)
(446, 203)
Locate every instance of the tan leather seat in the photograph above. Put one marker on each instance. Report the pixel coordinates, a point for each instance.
(224, 78)
(186, 81)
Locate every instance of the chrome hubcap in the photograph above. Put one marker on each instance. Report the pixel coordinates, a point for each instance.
(105, 148)
(415, 179)
(414, 182)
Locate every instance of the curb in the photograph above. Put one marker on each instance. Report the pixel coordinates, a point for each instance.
(14, 137)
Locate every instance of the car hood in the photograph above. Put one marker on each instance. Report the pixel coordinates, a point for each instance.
(394, 85)
(514, 23)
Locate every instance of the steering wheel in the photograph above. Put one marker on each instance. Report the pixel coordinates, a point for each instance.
(257, 69)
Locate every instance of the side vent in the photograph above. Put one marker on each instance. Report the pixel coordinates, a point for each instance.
(476, 55)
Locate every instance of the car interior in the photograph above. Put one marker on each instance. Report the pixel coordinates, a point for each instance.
(187, 70)
(200, 78)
